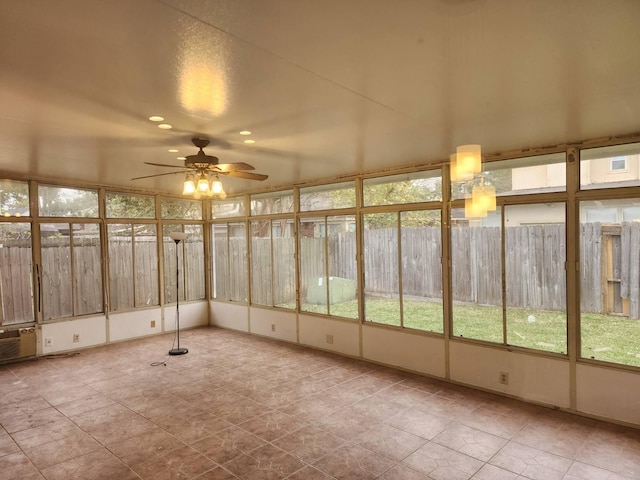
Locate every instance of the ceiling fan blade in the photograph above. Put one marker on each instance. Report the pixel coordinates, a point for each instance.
(161, 174)
(163, 165)
(247, 175)
(232, 167)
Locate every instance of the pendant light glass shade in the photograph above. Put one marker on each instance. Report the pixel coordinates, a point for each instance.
(189, 187)
(468, 162)
(203, 184)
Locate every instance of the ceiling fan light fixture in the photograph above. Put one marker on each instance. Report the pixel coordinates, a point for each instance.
(189, 186)
(216, 187)
(203, 184)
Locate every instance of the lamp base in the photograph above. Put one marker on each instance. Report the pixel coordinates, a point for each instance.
(178, 351)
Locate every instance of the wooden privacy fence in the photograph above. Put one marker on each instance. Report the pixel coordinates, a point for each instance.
(15, 275)
(534, 268)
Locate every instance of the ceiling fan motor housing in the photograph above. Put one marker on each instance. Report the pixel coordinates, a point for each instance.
(200, 160)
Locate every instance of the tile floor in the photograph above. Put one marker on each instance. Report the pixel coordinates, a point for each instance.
(242, 407)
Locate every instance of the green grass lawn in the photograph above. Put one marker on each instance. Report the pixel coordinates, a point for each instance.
(608, 338)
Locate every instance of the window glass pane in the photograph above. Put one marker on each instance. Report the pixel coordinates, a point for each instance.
(327, 197)
(88, 271)
(177, 208)
(284, 266)
(173, 264)
(313, 273)
(194, 262)
(220, 281)
(123, 205)
(68, 291)
(405, 188)
(343, 274)
(422, 270)
(67, 202)
(609, 280)
(272, 202)
(519, 176)
(133, 266)
(14, 198)
(535, 246)
(238, 263)
(227, 208)
(381, 274)
(120, 267)
(229, 262)
(261, 262)
(15, 273)
(606, 167)
(146, 266)
(476, 278)
(334, 291)
(618, 163)
(56, 270)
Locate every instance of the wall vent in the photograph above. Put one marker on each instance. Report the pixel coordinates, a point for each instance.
(16, 344)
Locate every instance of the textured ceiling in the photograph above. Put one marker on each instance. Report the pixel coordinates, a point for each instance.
(328, 88)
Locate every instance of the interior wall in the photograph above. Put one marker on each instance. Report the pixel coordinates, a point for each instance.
(58, 336)
(608, 393)
(135, 324)
(341, 336)
(192, 314)
(280, 324)
(530, 377)
(605, 393)
(100, 329)
(412, 351)
(229, 315)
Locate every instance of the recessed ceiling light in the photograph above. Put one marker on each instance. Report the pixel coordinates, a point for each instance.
(245, 132)
(165, 126)
(249, 141)
(156, 118)
(173, 150)
(181, 158)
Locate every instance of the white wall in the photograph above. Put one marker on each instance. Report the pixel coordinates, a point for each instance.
(192, 314)
(134, 324)
(344, 334)
(229, 315)
(91, 331)
(531, 377)
(280, 324)
(412, 351)
(608, 393)
(602, 392)
(119, 326)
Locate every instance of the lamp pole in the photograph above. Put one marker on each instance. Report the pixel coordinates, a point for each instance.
(178, 237)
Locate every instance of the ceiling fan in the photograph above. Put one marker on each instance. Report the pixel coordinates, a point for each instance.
(202, 172)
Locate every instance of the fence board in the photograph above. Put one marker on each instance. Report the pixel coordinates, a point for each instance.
(534, 265)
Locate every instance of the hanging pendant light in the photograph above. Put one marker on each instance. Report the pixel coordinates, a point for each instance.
(468, 162)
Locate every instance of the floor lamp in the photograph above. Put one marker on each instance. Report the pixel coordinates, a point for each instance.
(178, 237)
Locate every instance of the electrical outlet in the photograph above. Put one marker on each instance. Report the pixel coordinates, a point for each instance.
(153, 324)
(273, 327)
(504, 378)
(48, 342)
(76, 337)
(329, 338)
